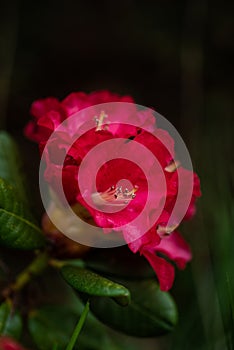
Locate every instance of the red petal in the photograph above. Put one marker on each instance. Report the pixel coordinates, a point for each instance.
(175, 247)
(9, 344)
(74, 102)
(40, 107)
(163, 269)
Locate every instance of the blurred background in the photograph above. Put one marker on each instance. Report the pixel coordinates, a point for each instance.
(174, 56)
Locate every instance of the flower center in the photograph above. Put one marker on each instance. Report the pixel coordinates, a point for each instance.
(115, 195)
(100, 121)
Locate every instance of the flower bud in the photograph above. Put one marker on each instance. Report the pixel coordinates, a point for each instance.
(7, 343)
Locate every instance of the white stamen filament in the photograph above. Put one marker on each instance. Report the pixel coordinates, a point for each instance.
(100, 121)
(166, 230)
(170, 168)
(114, 196)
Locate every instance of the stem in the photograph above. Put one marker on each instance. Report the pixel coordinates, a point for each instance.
(78, 327)
(36, 267)
(58, 264)
(231, 304)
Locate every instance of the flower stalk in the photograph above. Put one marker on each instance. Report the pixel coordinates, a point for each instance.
(35, 268)
(78, 327)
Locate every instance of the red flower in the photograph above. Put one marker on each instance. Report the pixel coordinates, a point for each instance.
(158, 189)
(7, 343)
(49, 113)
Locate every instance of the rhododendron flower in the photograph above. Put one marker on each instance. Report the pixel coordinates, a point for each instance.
(7, 343)
(118, 204)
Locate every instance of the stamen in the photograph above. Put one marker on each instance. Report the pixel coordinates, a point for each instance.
(125, 195)
(115, 195)
(100, 121)
(170, 168)
(166, 230)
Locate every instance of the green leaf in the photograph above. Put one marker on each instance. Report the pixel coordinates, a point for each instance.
(151, 312)
(107, 261)
(10, 321)
(10, 164)
(99, 331)
(88, 282)
(51, 327)
(16, 227)
(61, 296)
(107, 339)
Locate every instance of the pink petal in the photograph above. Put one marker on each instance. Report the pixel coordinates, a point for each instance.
(163, 269)
(74, 102)
(7, 343)
(40, 107)
(176, 249)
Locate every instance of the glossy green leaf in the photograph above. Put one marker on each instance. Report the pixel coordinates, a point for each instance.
(10, 164)
(51, 327)
(94, 335)
(107, 261)
(10, 321)
(151, 312)
(16, 227)
(88, 282)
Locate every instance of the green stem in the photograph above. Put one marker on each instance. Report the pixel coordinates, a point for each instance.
(78, 327)
(37, 266)
(231, 304)
(58, 264)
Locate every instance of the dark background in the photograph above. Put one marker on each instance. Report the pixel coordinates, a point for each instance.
(171, 55)
(175, 56)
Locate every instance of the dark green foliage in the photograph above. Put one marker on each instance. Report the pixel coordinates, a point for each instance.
(16, 227)
(10, 321)
(91, 283)
(151, 312)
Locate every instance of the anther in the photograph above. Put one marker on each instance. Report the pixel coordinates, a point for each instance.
(100, 121)
(115, 195)
(170, 168)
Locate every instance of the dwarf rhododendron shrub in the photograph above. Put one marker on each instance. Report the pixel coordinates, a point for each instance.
(119, 172)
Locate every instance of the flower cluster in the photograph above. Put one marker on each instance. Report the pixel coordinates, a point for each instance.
(160, 240)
